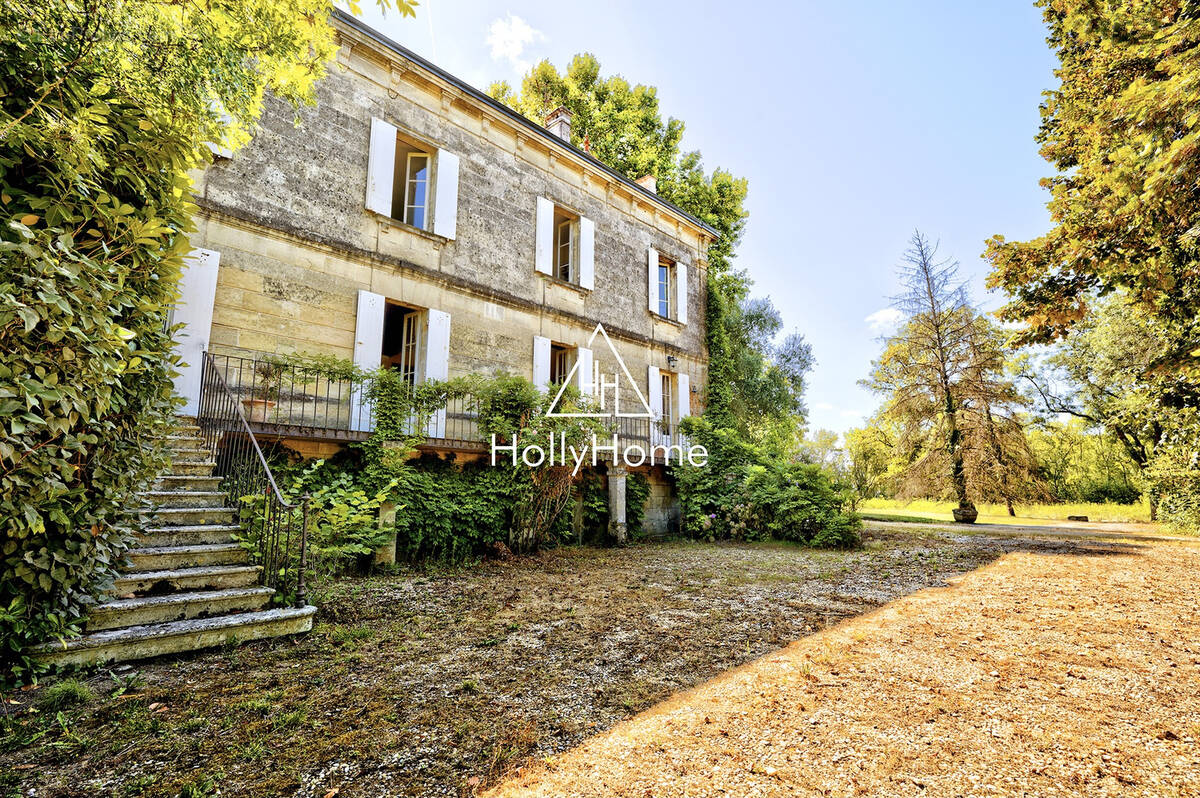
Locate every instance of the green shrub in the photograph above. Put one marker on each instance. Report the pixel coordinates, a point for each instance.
(748, 493)
(66, 693)
(90, 249)
(637, 491)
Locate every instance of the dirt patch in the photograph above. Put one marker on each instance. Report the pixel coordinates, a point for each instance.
(439, 683)
(1075, 674)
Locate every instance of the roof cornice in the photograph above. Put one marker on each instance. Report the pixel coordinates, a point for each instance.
(522, 123)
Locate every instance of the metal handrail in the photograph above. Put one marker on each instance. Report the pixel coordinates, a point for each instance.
(245, 472)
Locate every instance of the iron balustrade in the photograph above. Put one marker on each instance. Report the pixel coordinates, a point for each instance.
(279, 529)
(283, 399)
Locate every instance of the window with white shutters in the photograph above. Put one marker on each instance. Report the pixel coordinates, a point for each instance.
(564, 244)
(412, 182)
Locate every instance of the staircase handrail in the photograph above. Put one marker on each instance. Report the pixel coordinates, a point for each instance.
(245, 472)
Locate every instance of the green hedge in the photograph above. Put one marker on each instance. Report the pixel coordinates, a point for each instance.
(750, 493)
(90, 246)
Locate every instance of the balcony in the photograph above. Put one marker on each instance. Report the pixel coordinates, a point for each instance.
(291, 401)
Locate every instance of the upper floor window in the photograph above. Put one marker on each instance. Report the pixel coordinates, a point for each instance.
(667, 286)
(666, 274)
(411, 190)
(412, 182)
(564, 246)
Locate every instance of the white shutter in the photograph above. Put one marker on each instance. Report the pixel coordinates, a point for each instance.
(652, 278)
(381, 166)
(445, 195)
(544, 245)
(654, 399)
(684, 384)
(194, 311)
(437, 362)
(583, 368)
(541, 362)
(681, 294)
(587, 253)
(368, 352)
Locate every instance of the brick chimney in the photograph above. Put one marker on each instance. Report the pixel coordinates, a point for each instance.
(559, 123)
(649, 182)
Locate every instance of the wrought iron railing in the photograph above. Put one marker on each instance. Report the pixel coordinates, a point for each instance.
(277, 528)
(279, 398)
(282, 399)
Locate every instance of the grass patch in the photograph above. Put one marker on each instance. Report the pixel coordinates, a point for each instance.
(67, 693)
(990, 513)
(908, 519)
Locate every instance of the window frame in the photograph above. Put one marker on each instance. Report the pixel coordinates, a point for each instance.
(570, 225)
(666, 276)
(562, 355)
(409, 181)
(667, 388)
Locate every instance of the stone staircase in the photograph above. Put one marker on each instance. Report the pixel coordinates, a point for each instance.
(189, 585)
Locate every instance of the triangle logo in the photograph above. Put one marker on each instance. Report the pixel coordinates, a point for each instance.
(600, 387)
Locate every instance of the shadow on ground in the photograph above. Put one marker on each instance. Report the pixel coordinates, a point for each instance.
(437, 683)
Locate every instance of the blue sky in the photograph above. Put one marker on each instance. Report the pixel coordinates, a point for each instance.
(856, 123)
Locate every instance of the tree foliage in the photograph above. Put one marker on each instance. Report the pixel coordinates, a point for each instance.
(946, 392)
(105, 107)
(1122, 132)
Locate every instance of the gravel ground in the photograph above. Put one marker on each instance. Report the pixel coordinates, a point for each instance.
(1076, 674)
(442, 682)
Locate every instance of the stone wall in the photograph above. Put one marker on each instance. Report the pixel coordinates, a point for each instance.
(287, 215)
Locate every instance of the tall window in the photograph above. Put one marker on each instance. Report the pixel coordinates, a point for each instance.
(416, 193)
(667, 399)
(560, 363)
(565, 246)
(402, 341)
(411, 184)
(665, 273)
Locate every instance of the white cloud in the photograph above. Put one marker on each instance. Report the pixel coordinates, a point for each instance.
(822, 406)
(884, 321)
(508, 39)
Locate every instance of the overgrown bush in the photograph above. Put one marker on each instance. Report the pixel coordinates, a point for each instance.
(343, 521)
(747, 493)
(89, 255)
(1173, 478)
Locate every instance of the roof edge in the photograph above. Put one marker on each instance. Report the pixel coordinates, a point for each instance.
(358, 25)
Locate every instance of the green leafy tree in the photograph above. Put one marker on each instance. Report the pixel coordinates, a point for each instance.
(105, 108)
(1098, 374)
(1121, 130)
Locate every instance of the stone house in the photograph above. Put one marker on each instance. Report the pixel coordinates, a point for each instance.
(410, 221)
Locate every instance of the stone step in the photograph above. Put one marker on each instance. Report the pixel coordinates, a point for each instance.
(175, 558)
(192, 468)
(186, 482)
(208, 577)
(157, 536)
(190, 453)
(175, 499)
(176, 607)
(152, 640)
(187, 516)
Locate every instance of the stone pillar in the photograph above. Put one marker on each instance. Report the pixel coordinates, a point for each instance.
(616, 503)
